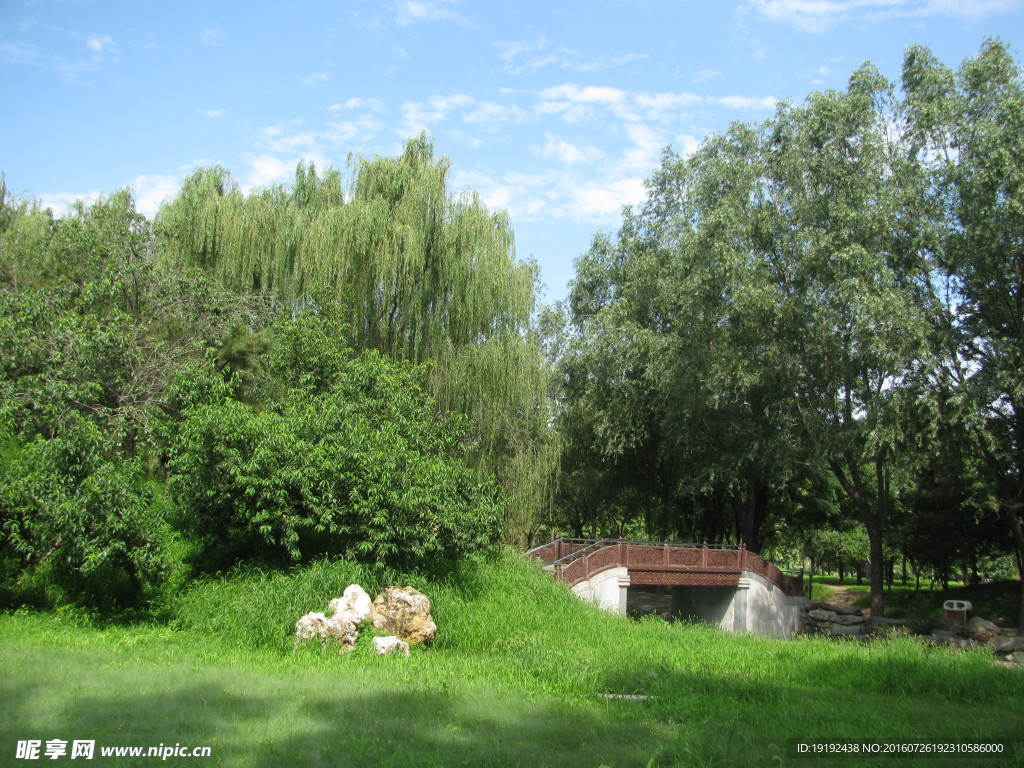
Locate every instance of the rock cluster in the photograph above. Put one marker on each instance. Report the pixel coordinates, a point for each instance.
(406, 613)
(403, 611)
(981, 629)
(847, 621)
(1009, 651)
(833, 620)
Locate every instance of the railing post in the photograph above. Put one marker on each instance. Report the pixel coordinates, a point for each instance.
(743, 557)
(623, 553)
(704, 555)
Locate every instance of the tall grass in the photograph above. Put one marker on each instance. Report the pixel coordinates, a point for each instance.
(519, 675)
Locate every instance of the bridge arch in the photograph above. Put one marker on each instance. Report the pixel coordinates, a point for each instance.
(730, 587)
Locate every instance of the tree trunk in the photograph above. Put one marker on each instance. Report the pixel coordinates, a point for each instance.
(877, 568)
(873, 517)
(1018, 538)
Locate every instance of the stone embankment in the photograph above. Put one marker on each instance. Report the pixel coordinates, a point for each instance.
(829, 620)
(833, 620)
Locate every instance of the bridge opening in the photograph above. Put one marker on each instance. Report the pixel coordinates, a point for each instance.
(708, 605)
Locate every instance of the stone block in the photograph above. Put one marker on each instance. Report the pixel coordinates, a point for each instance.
(849, 619)
(837, 630)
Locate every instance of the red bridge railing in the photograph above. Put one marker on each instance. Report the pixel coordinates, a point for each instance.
(577, 560)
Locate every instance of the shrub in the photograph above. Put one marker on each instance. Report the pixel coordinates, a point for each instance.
(358, 464)
(77, 527)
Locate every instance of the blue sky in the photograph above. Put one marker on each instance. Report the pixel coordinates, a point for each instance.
(555, 111)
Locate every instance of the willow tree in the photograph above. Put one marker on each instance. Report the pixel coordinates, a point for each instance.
(419, 273)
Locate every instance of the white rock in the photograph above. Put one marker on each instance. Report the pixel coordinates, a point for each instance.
(309, 626)
(386, 645)
(354, 602)
(338, 628)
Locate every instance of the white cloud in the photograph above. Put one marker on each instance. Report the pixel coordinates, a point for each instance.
(820, 15)
(647, 146)
(60, 202)
(576, 104)
(340, 135)
(151, 190)
(467, 138)
(569, 112)
(212, 36)
(316, 77)
(658, 104)
(817, 15)
(409, 12)
(596, 200)
(99, 44)
(357, 102)
(214, 113)
(568, 153)
(584, 174)
(265, 170)
(522, 57)
(293, 141)
(148, 191)
(707, 74)
(686, 144)
(18, 52)
(421, 115)
(591, 94)
(970, 8)
(746, 102)
(491, 112)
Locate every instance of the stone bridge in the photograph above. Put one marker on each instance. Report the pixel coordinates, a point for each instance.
(729, 587)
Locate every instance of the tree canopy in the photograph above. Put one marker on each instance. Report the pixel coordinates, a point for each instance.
(819, 298)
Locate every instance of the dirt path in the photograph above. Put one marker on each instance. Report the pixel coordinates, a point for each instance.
(842, 596)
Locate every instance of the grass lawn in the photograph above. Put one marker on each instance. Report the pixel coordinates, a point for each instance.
(515, 678)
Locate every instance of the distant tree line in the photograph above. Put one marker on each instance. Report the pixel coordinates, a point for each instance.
(814, 324)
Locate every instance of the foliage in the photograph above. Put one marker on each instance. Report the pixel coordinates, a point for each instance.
(828, 291)
(969, 125)
(413, 271)
(76, 526)
(92, 327)
(350, 459)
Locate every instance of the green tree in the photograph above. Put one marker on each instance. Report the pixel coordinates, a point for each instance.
(415, 272)
(969, 125)
(843, 252)
(768, 308)
(77, 526)
(349, 458)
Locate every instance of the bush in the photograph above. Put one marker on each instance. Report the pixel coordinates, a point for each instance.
(76, 527)
(355, 464)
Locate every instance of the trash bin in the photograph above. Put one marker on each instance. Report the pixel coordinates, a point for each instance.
(959, 610)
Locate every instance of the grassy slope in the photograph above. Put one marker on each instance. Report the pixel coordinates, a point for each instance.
(513, 679)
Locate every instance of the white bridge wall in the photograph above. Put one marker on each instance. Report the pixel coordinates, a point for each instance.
(607, 589)
(756, 605)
